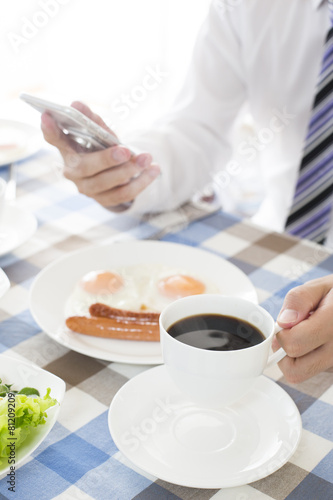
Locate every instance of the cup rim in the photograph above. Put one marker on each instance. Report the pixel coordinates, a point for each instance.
(208, 352)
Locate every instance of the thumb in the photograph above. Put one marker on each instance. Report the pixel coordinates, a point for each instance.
(83, 108)
(300, 302)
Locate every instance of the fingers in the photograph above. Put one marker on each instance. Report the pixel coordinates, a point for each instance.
(297, 370)
(128, 192)
(89, 164)
(109, 179)
(83, 108)
(302, 300)
(53, 135)
(309, 343)
(111, 176)
(308, 335)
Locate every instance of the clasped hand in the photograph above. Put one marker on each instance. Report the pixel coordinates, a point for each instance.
(307, 336)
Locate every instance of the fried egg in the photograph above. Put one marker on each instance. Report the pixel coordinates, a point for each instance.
(148, 287)
(101, 282)
(109, 287)
(180, 285)
(169, 284)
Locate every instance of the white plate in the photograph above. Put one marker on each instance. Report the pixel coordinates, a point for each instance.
(63, 274)
(24, 374)
(18, 141)
(164, 434)
(16, 227)
(4, 283)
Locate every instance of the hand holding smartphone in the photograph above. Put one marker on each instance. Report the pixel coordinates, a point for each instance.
(112, 177)
(75, 124)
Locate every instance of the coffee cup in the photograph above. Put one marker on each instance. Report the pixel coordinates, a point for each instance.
(218, 370)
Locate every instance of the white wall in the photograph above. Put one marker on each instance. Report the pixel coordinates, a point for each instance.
(99, 51)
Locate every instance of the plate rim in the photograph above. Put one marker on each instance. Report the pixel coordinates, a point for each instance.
(218, 485)
(141, 360)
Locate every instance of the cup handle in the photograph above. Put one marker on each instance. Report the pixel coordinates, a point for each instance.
(280, 353)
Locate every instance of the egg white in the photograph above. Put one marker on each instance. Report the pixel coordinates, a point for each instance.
(139, 292)
(157, 301)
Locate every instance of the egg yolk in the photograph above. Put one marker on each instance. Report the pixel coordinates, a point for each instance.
(101, 282)
(180, 285)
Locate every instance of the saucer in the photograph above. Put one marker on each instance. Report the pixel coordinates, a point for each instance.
(18, 141)
(16, 226)
(166, 435)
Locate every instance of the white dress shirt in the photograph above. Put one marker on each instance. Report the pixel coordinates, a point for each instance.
(263, 52)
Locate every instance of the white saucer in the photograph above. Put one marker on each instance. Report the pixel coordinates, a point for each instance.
(18, 141)
(16, 226)
(164, 434)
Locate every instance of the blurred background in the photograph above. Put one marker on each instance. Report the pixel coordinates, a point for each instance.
(125, 59)
(100, 52)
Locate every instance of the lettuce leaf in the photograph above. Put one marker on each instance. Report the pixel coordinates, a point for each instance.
(30, 412)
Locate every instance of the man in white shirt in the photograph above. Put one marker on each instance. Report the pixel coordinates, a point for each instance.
(265, 53)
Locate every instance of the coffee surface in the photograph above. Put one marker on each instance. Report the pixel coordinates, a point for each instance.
(216, 332)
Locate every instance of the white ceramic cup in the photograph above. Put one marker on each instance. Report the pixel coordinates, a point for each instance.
(213, 379)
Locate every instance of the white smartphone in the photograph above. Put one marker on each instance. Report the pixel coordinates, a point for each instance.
(72, 122)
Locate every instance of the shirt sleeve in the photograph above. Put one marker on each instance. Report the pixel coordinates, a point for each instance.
(192, 142)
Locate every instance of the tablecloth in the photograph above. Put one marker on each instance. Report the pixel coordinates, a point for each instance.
(79, 459)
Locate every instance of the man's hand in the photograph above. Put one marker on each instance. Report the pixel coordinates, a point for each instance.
(112, 176)
(307, 336)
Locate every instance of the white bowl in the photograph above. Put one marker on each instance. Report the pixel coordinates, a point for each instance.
(24, 374)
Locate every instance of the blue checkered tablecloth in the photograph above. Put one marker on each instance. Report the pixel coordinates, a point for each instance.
(78, 459)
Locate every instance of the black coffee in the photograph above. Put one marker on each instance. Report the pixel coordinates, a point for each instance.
(216, 332)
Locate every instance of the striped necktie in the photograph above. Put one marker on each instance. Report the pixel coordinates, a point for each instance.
(311, 209)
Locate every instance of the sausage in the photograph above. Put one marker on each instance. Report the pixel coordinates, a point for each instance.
(113, 329)
(102, 310)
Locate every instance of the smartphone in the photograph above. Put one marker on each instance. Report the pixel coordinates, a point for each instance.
(72, 122)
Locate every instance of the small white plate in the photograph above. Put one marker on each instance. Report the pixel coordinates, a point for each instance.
(16, 227)
(166, 435)
(67, 271)
(18, 141)
(4, 283)
(24, 374)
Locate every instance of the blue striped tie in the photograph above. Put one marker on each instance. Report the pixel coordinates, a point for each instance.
(310, 213)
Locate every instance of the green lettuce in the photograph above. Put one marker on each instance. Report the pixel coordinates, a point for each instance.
(30, 412)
